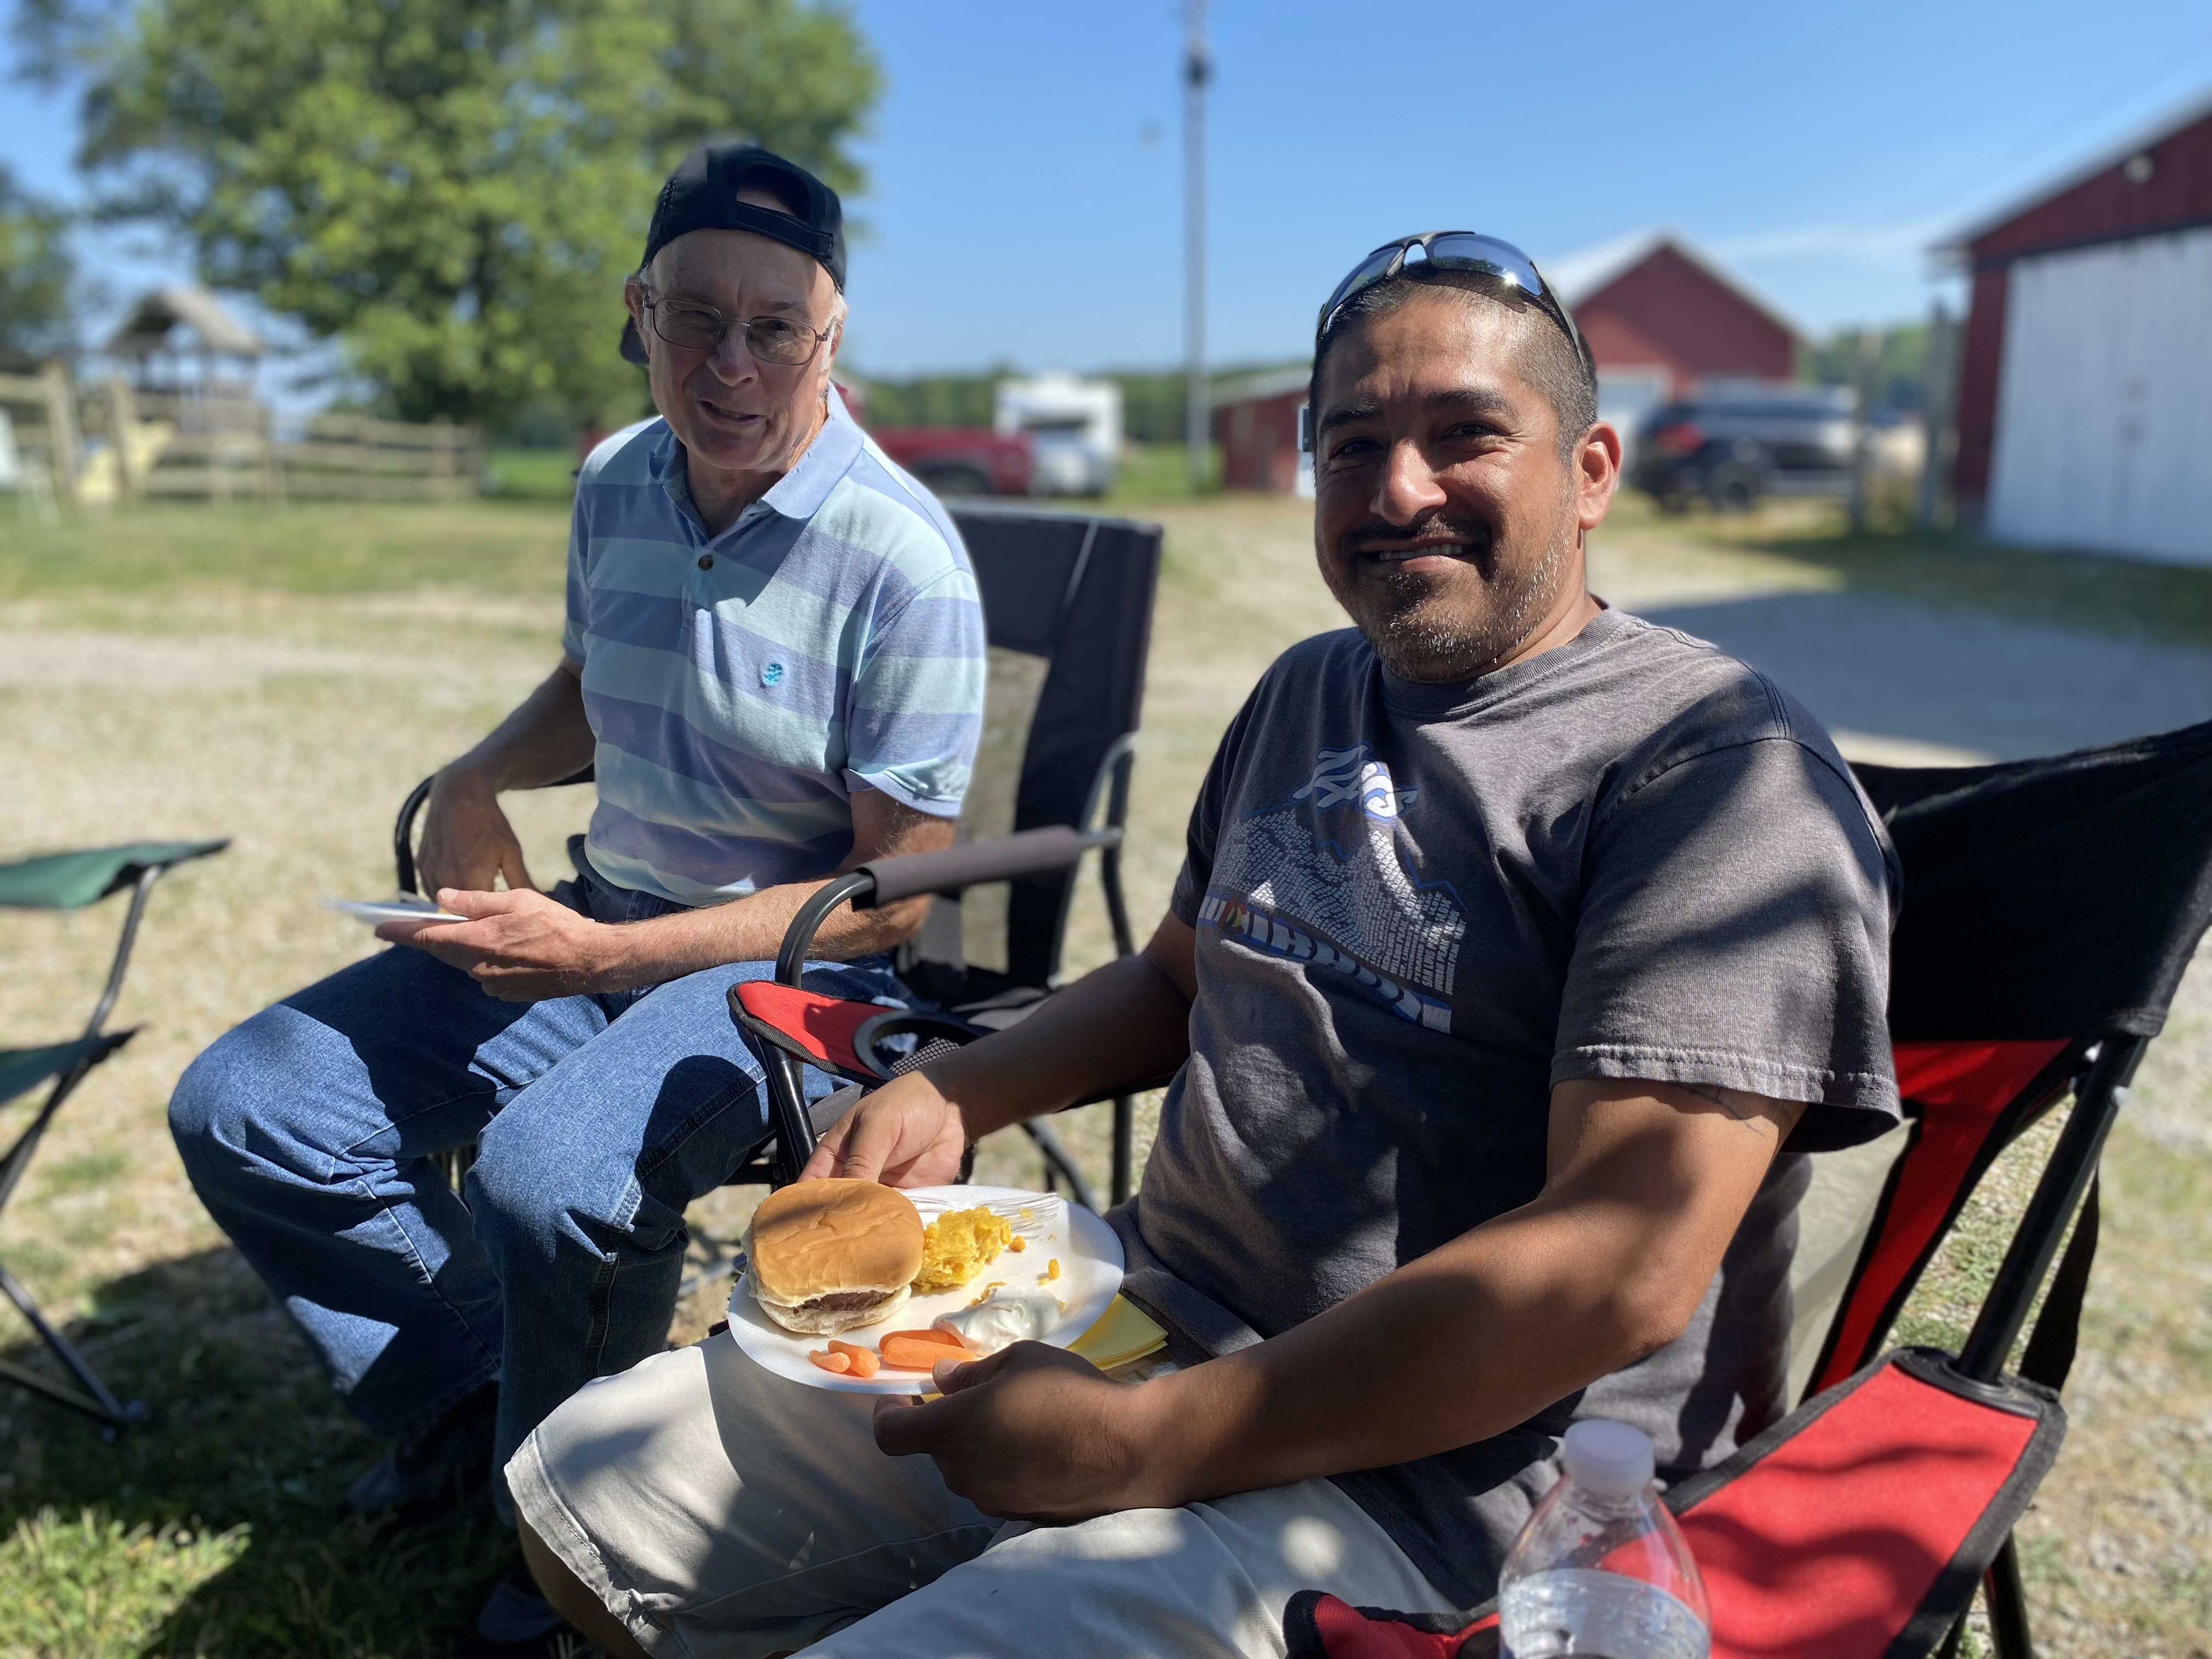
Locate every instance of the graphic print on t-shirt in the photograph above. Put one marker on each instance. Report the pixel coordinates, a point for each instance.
(1329, 878)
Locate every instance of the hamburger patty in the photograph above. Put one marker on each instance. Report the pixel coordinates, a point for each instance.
(846, 1301)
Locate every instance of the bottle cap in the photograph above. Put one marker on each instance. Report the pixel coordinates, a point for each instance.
(1610, 1459)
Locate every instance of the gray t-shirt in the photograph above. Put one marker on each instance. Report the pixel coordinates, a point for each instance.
(1420, 907)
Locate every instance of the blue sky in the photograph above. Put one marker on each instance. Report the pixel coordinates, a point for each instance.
(1025, 201)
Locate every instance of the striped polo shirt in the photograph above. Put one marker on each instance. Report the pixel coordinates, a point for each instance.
(742, 686)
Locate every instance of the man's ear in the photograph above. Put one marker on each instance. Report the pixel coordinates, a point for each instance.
(1597, 473)
(633, 301)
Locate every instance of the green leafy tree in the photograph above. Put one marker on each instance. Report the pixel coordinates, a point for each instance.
(38, 280)
(452, 189)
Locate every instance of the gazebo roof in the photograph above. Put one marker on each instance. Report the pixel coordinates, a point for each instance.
(157, 317)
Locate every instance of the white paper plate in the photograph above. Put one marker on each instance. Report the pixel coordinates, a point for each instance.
(1090, 1259)
(375, 912)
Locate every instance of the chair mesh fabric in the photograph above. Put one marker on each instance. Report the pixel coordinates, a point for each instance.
(1077, 592)
(2047, 903)
(2048, 899)
(1965, 1100)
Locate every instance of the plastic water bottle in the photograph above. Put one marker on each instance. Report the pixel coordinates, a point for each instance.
(1601, 1569)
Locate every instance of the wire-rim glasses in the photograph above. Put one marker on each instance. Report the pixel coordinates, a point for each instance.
(1453, 250)
(778, 340)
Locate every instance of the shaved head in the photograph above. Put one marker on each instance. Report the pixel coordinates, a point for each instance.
(1546, 358)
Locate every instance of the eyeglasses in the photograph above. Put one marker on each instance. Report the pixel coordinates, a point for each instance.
(777, 340)
(1453, 250)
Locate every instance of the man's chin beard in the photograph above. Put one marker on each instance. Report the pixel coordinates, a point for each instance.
(1417, 643)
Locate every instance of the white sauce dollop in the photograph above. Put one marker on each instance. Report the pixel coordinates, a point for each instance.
(1004, 1318)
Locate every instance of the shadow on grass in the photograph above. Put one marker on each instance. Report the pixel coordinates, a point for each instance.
(215, 1529)
(2131, 598)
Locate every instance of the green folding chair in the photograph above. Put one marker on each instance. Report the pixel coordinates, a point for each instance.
(69, 881)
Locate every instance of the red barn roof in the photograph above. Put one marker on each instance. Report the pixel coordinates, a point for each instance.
(1653, 300)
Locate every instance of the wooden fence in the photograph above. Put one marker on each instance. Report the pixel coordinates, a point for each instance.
(107, 443)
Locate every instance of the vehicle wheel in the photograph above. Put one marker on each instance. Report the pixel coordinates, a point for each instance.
(1734, 488)
(1674, 497)
(946, 482)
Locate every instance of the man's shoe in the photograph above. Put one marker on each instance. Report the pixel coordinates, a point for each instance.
(434, 1470)
(516, 1622)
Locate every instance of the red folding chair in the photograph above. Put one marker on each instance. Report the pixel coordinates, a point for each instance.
(2051, 908)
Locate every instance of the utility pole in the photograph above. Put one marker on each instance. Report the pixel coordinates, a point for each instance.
(1866, 379)
(1197, 68)
(1936, 398)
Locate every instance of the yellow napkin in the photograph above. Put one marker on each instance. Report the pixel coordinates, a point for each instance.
(1122, 1334)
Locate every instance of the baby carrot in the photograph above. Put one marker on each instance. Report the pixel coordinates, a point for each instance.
(932, 1335)
(830, 1362)
(863, 1360)
(909, 1356)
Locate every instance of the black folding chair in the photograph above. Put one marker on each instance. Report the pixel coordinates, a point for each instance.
(2051, 908)
(70, 881)
(1073, 594)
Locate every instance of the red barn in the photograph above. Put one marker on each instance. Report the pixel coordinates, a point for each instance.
(1661, 316)
(1256, 422)
(2085, 391)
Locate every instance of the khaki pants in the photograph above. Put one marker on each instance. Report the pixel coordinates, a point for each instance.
(719, 1509)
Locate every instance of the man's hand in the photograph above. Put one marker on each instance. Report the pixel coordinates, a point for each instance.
(904, 1134)
(1034, 1433)
(467, 842)
(519, 946)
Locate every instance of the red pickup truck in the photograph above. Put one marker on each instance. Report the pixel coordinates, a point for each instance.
(952, 460)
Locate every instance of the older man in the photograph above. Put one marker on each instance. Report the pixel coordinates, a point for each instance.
(1515, 939)
(774, 659)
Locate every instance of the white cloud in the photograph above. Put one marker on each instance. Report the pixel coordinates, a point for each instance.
(1901, 244)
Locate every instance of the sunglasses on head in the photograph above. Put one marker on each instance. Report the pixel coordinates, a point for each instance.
(1448, 250)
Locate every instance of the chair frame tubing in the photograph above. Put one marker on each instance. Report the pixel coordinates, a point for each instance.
(2042, 1225)
(92, 1396)
(2003, 1314)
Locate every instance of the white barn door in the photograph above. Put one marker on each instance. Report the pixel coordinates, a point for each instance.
(2104, 400)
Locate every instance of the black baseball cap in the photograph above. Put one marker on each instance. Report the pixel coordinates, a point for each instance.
(702, 194)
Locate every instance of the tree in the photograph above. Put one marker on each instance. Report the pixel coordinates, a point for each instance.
(454, 189)
(1901, 365)
(38, 280)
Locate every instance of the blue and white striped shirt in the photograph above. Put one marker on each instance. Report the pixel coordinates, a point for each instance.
(742, 686)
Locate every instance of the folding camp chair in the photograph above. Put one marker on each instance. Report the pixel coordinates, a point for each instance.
(2051, 908)
(69, 881)
(1073, 594)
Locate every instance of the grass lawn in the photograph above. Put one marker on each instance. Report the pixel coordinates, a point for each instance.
(283, 677)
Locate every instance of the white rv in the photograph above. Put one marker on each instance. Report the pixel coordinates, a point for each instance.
(1074, 430)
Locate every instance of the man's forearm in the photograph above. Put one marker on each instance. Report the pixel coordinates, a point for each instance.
(1607, 1264)
(1456, 1348)
(1119, 1028)
(749, 929)
(545, 739)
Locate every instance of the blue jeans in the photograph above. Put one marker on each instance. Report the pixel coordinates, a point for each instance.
(307, 1132)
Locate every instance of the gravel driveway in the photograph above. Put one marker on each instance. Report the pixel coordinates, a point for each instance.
(1881, 672)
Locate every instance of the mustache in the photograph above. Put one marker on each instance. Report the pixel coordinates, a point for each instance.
(1439, 527)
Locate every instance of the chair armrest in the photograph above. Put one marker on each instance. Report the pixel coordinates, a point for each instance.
(1031, 853)
(403, 828)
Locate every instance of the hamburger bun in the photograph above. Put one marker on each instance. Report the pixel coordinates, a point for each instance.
(828, 1256)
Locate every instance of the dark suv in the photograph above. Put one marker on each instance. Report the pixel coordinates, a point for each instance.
(1735, 446)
